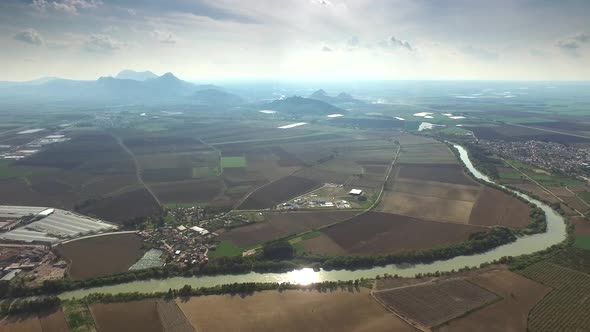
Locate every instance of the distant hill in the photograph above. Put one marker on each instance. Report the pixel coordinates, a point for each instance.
(211, 96)
(340, 98)
(303, 106)
(129, 74)
(165, 88)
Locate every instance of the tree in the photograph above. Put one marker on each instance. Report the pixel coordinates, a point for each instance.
(278, 250)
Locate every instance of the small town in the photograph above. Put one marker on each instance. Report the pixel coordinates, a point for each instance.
(544, 155)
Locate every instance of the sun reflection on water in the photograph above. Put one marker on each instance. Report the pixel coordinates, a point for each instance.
(302, 277)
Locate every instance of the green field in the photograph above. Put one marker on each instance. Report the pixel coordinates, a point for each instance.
(226, 248)
(542, 178)
(582, 242)
(10, 172)
(233, 162)
(585, 196)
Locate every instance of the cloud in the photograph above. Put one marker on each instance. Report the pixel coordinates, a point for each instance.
(572, 44)
(568, 44)
(480, 53)
(103, 44)
(354, 41)
(29, 36)
(326, 49)
(164, 37)
(582, 37)
(66, 6)
(401, 43)
(321, 2)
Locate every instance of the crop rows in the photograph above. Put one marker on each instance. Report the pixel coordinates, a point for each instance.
(567, 307)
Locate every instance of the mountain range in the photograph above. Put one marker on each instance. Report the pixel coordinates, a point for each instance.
(340, 98)
(127, 86)
(128, 74)
(303, 106)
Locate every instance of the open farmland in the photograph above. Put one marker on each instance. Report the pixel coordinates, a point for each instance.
(122, 207)
(494, 207)
(447, 173)
(291, 311)
(569, 298)
(426, 207)
(433, 303)
(428, 153)
(380, 233)
(281, 224)
(53, 321)
(145, 315)
(278, 192)
(443, 192)
(519, 296)
(518, 133)
(101, 255)
(188, 191)
(90, 165)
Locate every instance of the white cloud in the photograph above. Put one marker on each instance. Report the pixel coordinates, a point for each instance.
(164, 37)
(30, 36)
(103, 43)
(401, 43)
(66, 6)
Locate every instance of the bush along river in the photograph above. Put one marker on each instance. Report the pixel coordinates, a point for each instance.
(556, 233)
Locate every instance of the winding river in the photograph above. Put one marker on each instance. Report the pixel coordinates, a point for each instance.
(556, 233)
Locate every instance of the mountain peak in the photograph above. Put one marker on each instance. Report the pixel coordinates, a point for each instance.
(319, 93)
(128, 74)
(168, 76)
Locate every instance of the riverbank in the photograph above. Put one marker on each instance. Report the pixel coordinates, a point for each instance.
(555, 234)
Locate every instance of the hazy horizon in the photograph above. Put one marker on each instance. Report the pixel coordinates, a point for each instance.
(310, 40)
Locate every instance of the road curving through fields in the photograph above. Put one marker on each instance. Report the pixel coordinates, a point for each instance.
(556, 233)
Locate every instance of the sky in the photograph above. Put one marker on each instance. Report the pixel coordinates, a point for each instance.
(297, 39)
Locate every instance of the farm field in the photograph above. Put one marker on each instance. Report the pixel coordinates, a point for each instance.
(443, 192)
(446, 173)
(518, 296)
(426, 207)
(517, 133)
(433, 303)
(90, 165)
(233, 162)
(380, 233)
(277, 192)
(101, 255)
(282, 224)
(122, 207)
(291, 311)
(567, 299)
(188, 191)
(145, 315)
(494, 207)
(53, 321)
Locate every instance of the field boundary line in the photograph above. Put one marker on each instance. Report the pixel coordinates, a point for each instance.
(549, 130)
(409, 321)
(137, 169)
(496, 300)
(543, 187)
(578, 197)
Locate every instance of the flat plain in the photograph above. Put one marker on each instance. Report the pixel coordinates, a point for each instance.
(101, 255)
(291, 311)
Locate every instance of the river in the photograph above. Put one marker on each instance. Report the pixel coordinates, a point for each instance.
(556, 233)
